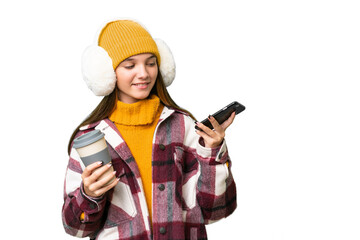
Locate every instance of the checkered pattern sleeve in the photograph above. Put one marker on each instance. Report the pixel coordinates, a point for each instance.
(77, 203)
(216, 187)
(216, 190)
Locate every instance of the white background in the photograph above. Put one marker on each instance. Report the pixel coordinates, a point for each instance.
(293, 64)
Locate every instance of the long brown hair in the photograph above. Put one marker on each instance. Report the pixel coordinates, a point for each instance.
(108, 105)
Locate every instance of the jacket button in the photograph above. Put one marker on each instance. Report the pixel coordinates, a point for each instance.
(162, 147)
(162, 230)
(161, 187)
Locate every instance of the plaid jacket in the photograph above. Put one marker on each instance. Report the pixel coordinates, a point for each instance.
(192, 186)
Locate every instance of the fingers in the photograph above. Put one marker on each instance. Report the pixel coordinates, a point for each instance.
(94, 171)
(214, 138)
(204, 128)
(209, 141)
(228, 121)
(217, 128)
(204, 133)
(98, 180)
(100, 187)
(97, 173)
(89, 169)
(103, 190)
(211, 138)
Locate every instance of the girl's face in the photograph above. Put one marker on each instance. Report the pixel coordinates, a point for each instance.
(136, 77)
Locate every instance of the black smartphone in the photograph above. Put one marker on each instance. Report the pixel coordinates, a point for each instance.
(224, 114)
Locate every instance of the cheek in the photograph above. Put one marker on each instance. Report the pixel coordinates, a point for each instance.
(123, 77)
(154, 73)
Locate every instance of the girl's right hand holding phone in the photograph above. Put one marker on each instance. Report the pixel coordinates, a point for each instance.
(95, 184)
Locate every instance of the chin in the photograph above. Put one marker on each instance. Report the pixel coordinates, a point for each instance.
(142, 96)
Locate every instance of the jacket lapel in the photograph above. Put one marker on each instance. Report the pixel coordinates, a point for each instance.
(165, 113)
(114, 139)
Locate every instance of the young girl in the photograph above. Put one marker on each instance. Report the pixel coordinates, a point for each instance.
(170, 180)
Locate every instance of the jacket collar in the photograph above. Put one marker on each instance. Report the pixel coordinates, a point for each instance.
(166, 112)
(115, 140)
(112, 135)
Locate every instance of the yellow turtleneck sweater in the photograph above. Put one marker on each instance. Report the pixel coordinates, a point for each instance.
(137, 122)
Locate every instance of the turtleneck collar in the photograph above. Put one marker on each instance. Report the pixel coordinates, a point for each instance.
(142, 112)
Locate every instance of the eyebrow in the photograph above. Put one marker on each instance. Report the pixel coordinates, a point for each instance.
(131, 59)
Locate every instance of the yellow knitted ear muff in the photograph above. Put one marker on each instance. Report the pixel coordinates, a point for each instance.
(116, 41)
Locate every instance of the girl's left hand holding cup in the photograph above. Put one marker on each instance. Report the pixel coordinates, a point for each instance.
(213, 138)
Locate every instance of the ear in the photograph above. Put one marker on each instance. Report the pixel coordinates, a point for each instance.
(167, 65)
(98, 71)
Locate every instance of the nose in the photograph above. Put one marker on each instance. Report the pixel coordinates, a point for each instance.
(143, 73)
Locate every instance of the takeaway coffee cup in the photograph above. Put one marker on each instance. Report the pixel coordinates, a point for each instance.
(92, 148)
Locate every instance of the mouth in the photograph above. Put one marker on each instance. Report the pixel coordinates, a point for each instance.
(141, 85)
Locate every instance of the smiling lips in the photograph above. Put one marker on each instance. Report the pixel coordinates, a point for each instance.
(141, 85)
